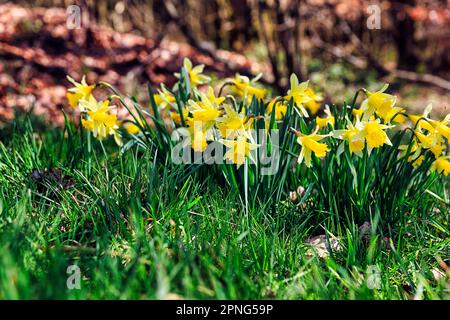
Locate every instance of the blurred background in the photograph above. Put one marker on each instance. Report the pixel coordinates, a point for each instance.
(340, 45)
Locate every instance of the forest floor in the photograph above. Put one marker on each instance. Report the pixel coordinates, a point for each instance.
(37, 51)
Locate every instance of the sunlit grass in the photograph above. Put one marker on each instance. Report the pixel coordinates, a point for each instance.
(139, 232)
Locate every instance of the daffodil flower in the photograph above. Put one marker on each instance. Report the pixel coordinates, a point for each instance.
(433, 142)
(422, 121)
(378, 102)
(80, 91)
(388, 117)
(232, 123)
(329, 119)
(442, 127)
(416, 158)
(280, 109)
(196, 77)
(441, 165)
(99, 120)
(245, 88)
(212, 97)
(176, 117)
(437, 130)
(373, 133)
(356, 146)
(418, 161)
(357, 113)
(133, 128)
(314, 104)
(239, 150)
(204, 110)
(163, 99)
(310, 143)
(298, 92)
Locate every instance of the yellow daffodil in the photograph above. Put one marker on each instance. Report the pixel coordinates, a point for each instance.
(99, 120)
(356, 146)
(313, 107)
(310, 143)
(418, 161)
(357, 113)
(314, 104)
(204, 110)
(298, 92)
(393, 115)
(232, 123)
(373, 133)
(436, 128)
(416, 158)
(212, 97)
(134, 128)
(433, 142)
(163, 99)
(280, 109)
(422, 121)
(239, 150)
(378, 102)
(442, 127)
(246, 88)
(198, 138)
(441, 165)
(196, 77)
(176, 117)
(323, 122)
(80, 91)
(131, 128)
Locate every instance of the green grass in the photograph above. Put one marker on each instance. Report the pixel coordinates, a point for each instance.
(139, 229)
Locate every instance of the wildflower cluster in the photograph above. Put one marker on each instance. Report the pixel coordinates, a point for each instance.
(229, 116)
(96, 115)
(230, 119)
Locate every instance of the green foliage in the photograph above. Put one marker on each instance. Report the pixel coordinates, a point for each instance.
(137, 231)
(382, 186)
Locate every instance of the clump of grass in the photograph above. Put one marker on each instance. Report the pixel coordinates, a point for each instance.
(371, 162)
(136, 232)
